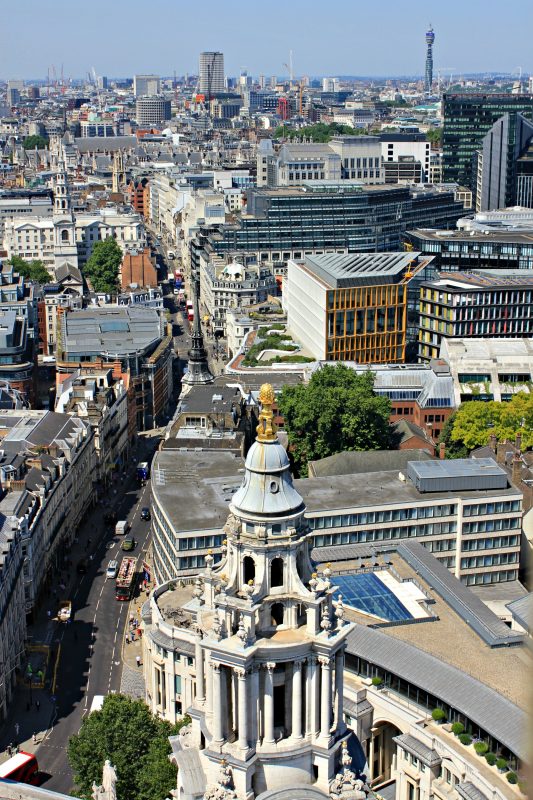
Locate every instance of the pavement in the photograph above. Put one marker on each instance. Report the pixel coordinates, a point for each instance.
(85, 655)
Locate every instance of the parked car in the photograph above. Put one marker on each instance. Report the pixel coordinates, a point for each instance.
(112, 569)
(145, 513)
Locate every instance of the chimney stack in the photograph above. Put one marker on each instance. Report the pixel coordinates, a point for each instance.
(500, 452)
(516, 469)
(442, 450)
(493, 441)
(518, 441)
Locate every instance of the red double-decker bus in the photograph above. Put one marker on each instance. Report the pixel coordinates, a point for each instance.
(126, 579)
(21, 767)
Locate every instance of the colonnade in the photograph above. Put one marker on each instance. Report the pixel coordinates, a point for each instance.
(242, 701)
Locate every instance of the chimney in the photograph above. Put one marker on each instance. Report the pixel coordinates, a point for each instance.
(516, 470)
(493, 442)
(500, 452)
(518, 441)
(442, 450)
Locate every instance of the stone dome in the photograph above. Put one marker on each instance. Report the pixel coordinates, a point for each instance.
(233, 271)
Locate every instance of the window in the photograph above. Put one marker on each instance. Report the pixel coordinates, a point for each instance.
(177, 684)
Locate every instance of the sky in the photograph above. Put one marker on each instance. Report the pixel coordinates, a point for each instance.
(331, 37)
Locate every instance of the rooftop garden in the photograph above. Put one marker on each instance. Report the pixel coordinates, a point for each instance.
(275, 338)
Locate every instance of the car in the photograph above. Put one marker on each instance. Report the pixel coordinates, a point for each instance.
(128, 543)
(145, 513)
(112, 569)
(81, 566)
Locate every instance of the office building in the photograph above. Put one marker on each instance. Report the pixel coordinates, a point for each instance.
(135, 339)
(489, 369)
(428, 80)
(467, 119)
(396, 148)
(146, 85)
(504, 172)
(320, 217)
(351, 307)
(497, 247)
(12, 603)
(211, 74)
(18, 356)
(24, 203)
(152, 111)
(233, 285)
(482, 304)
(98, 127)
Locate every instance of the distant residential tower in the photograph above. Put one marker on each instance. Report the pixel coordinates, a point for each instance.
(211, 74)
(430, 38)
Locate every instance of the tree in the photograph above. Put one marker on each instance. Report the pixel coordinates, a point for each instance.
(32, 142)
(136, 743)
(473, 423)
(103, 266)
(319, 133)
(31, 270)
(434, 135)
(338, 410)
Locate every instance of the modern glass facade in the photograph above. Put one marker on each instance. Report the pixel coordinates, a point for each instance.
(290, 223)
(460, 250)
(467, 119)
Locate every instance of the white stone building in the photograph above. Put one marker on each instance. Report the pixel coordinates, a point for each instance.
(233, 285)
(259, 661)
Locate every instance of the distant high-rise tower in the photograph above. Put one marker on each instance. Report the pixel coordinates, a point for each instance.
(211, 74)
(430, 38)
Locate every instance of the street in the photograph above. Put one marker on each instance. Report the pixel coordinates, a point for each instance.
(89, 661)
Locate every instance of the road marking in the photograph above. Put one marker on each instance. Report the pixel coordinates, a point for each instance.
(55, 669)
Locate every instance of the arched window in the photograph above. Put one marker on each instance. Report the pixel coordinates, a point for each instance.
(64, 236)
(248, 569)
(277, 613)
(276, 572)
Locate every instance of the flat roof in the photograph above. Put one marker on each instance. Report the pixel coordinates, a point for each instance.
(359, 269)
(483, 279)
(114, 329)
(489, 234)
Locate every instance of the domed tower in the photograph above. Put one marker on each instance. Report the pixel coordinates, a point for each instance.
(271, 640)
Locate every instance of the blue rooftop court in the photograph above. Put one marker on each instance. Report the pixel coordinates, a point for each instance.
(365, 592)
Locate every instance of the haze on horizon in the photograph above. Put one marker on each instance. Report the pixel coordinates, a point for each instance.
(340, 37)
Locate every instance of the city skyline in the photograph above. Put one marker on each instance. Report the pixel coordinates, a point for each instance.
(370, 41)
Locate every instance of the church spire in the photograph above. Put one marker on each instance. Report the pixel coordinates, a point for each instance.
(198, 372)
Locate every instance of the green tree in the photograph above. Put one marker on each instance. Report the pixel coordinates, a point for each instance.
(319, 133)
(434, 135)
(473, 423)
(338, 410)
(31, 270)
(32, 142)
(103, 265)
(136, 743)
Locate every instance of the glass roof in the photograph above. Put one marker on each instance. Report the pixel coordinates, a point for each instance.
(367, 593)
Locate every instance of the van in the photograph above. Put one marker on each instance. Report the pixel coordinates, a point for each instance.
(122, 527)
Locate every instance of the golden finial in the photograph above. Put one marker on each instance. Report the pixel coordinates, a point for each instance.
(266, 430)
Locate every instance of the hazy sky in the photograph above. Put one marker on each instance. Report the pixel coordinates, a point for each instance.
(330, 37)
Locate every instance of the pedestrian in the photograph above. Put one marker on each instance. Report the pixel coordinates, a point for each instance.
(34, 738)
(37, 704)
(138, 660)
(132, 634)
(48, 613)
(9, 750)
(17, 728)
(127, 639)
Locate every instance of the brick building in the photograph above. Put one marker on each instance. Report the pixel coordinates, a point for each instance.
(138, 269)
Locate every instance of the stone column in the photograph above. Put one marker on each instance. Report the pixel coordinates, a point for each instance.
(339, 693)
(325, 697)
(254, 716)
(268, 703)
(314, 692)
(199, 660)
(242, 709)
(297, 700)
(208, 686)
(218, 720)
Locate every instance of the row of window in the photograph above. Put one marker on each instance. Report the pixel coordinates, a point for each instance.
(488, 525)
(484, 578)
(384, 534)
(467, 545)
(494, 560)
(383, 515)
(501, 507)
